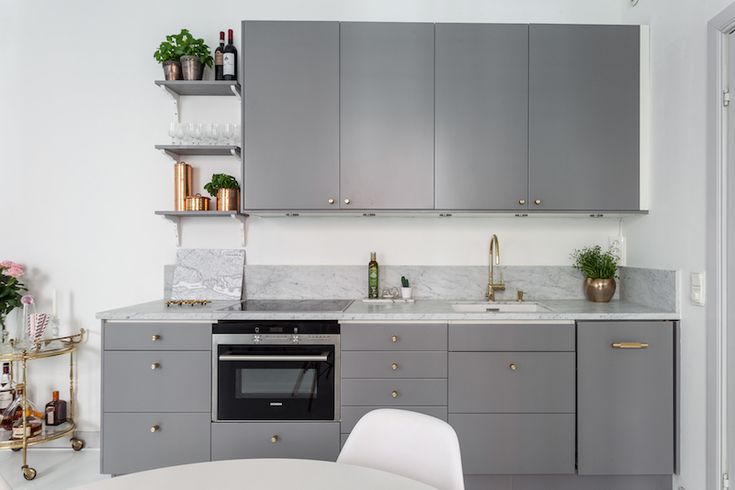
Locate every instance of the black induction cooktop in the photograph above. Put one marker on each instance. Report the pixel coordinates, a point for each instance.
(290, 305)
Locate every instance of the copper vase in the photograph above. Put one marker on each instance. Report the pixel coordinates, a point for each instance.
(227, 199)
(182, 185)
(599, 290)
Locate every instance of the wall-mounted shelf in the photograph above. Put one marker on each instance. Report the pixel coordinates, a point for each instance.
(201, 87)
(176, 216)
(177, 151)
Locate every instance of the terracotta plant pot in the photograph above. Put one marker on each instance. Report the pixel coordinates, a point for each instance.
(172, 70)
(599, 290)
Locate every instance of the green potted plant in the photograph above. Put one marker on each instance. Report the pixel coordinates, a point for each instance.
(184, 54)
(600, 268)
(227, 191)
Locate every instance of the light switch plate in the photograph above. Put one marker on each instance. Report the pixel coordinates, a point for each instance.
(696, 281)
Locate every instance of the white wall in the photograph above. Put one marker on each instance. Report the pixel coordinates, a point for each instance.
(673, 235)
(79, 116)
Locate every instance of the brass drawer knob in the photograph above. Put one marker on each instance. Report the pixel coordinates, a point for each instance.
(521, 201)
(537, 202)
(394, 393)
(330, 200)
(275, 438)
(394, 338)
(155, 428)
(156, 365)
(155, 338)
(513, 366)
(394, 366)
(347, 201)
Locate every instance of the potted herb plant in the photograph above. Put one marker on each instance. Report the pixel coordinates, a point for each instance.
(184, 54)
(11, 292)
(600, 268)
(227, 191)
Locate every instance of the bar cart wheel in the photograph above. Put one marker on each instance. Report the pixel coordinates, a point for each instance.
(28, 472)
(15, 449)
(77, 444)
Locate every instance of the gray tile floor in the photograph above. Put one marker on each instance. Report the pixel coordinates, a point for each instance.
(57, 468)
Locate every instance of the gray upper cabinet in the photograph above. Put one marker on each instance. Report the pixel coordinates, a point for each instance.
(386, 115)
(290, 115)
(625, 398)
(481, 116)
(584, 117)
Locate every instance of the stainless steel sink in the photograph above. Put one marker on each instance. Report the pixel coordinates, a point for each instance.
(499, 307)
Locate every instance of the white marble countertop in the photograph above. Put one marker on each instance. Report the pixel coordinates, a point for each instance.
(421, 310)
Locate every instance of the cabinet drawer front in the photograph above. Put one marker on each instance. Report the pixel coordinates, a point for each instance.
(375, 364)
(158, 336)
(156, 381)
(276, 440)
(515, 443)
(129, 444)
(511, 337)
(511, 382)
(398, 336)
(626, 398)
(394, 392)
(350, 415)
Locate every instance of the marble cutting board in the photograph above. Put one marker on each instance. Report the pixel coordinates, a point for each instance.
(214, 274)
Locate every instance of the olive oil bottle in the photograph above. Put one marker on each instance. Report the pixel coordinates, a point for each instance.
(373, 277)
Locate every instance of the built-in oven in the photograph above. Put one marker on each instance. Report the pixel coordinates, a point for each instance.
(275, 370)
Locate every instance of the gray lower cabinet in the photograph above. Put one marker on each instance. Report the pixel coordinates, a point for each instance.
(509, 336)
(351, 414)
(514, 444)
(157, 336)
(394, 336)
(626, 398)
(584, 117)
(386, 115)
(396, 364)
(290, 115)
(394, 392)
(142, 441)
(481, 116)
(302, 440)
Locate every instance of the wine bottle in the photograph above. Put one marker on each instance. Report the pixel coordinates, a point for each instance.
(229, 59)
(219, 58)
(373, 277)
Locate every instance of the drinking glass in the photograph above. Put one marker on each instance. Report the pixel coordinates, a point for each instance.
(172, 131)
(179, 133)
(236, 135)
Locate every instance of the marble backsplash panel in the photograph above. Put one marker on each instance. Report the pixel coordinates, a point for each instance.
(214, 274)
(656, 288)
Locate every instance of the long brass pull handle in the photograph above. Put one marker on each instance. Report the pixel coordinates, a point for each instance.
(630, 345)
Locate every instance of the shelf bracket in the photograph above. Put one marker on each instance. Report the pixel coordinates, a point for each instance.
(233, 87)
(243, 229)
(234, 152)
(176, 220)
(176, 99)
(174, 156)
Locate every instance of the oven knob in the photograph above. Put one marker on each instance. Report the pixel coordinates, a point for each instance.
(256, 339)
(295, 339)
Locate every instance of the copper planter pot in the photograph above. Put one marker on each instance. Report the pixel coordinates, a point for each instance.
(228, 199)
(172, 70)
(599, 290)
(192, 67)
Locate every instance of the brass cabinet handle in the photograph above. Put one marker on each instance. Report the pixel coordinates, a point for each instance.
(537, 202)
(155, 338)
(275, 438)
(394, 393)
(347, 201)
(513, 366)
(521, 201)
(155, 428)
(630, 345)
(394, 338)
(330, 201)
(394, 366)
(156, 365)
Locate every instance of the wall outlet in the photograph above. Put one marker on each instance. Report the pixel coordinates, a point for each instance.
(617, 245)
(696, 288)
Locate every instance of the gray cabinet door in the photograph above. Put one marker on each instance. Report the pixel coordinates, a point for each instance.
(157, 336)
(386, 115)
(481, 116)
(290, 115)
(394, 392)
(408, 364)
(394, 336)
(625, 399)
(584, 117)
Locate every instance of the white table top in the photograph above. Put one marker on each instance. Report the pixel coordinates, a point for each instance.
(261, 474)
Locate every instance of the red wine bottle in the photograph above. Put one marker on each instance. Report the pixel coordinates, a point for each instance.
(229, 65)
(219, 58)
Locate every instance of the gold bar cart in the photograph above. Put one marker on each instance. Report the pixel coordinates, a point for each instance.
(18, 356)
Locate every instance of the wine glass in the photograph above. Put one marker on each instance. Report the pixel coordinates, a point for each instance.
(172, 128)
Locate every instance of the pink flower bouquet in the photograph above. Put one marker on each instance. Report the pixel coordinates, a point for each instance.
(11, 291)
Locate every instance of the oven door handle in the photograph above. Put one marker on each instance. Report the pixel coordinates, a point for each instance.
(273, 358)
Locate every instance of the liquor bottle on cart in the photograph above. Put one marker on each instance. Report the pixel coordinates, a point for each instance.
(7, 390)
(55, 413)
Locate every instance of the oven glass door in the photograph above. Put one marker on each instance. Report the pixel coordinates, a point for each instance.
(275, 382)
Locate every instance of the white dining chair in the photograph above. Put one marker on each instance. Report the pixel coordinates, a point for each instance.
(406, 443)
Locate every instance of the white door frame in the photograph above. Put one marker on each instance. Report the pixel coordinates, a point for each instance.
(717, 247)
